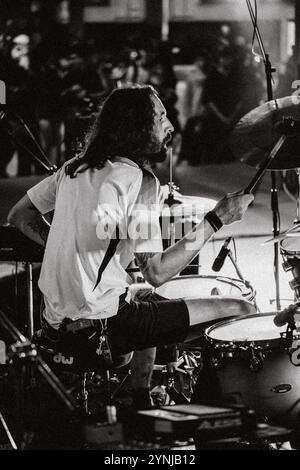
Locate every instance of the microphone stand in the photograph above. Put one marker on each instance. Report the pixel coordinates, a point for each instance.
(47, 165)
(274, 194)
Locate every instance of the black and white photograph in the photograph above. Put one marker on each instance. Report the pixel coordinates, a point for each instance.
(150, 228)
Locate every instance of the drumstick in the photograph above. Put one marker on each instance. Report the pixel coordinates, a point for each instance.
(265, 166)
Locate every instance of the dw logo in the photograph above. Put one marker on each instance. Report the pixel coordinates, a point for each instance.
(2, 92)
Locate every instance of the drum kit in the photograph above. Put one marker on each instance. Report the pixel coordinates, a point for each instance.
(253, 357)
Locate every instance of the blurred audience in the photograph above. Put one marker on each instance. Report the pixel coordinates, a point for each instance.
(59, 93)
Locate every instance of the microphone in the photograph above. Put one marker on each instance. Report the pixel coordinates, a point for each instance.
(288, 125)
(283, 317)
(219, 261)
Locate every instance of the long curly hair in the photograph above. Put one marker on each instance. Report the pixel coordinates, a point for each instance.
(123, 128)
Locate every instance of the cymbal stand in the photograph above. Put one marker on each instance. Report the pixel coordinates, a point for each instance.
(274, 194)
(170, 201)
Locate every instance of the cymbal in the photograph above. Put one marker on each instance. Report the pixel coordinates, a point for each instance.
(255, 135)
(188, 206)
(282, 236)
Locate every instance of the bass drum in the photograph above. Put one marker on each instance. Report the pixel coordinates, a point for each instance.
(249, 361)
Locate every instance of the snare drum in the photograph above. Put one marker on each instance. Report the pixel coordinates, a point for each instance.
(253, 366)
(290, 250)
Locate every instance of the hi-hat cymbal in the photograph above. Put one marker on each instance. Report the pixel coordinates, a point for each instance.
(189, 206)
(256, 134)
(186, 206)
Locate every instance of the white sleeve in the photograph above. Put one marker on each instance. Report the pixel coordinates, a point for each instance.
(43, 194)
(144, 228)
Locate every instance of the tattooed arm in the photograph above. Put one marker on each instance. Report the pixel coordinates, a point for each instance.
(158, 268)
(25, 216)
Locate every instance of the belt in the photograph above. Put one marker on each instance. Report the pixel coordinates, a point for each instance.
(81, 324)
(71, 326)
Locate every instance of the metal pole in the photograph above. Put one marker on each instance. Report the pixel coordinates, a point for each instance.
(165, 19)
(30, 327)
(297, 36)
(274, 193)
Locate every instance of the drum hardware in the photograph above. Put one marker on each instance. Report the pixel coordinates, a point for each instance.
(252, 357)
(256, 359)
(8, 433)
(170, 201)
(258, 131)
(291, 260)
(172, 379)
(241, 277)
(21, 355)
(290, 337)
(23, 349)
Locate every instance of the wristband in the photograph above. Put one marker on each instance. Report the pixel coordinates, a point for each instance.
(214, 221)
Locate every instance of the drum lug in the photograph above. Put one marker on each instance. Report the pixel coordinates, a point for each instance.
(294, 284)
(218, 362)
(256, 359)
(287, 266)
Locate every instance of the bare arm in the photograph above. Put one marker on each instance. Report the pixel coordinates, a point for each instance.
(158, 268)
(25, 216)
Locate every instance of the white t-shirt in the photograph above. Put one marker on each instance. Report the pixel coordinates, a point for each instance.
(82, 233)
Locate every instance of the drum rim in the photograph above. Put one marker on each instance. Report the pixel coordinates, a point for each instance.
(287, 252)
(249, 294)
(233, 345)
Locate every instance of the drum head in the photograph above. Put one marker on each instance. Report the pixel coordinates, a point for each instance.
(203, 286)
(252, 328)
(291, 245)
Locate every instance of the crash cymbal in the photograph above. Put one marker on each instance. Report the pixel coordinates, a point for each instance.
(257, 132)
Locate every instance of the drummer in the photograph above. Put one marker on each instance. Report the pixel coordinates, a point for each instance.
(106, 205)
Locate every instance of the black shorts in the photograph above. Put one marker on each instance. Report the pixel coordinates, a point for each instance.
(155, 321)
